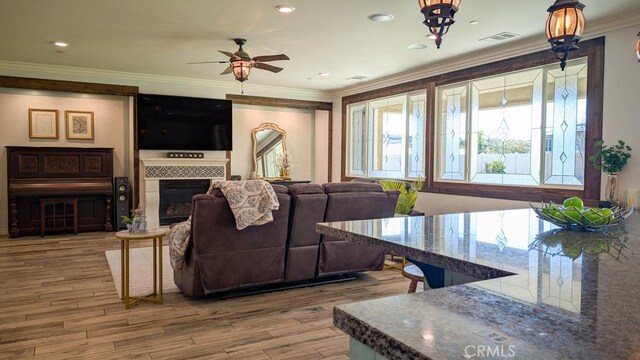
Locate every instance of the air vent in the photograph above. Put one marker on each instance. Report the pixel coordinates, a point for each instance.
(499, 37)
(357, 77)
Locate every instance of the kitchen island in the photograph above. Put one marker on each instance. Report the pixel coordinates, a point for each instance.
(543, 293)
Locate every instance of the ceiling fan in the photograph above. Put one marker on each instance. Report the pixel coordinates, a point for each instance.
(240, 63)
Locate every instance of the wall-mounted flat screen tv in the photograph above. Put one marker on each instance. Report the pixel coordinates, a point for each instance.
(183, 123)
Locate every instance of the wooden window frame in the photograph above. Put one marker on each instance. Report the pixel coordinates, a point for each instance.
(593, 50)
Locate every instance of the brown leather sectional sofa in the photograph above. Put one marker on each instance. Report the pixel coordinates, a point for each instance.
(221, 258)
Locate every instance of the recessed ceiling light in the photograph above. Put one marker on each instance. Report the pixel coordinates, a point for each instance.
(381, 17)
(417, 46)
(324, 74)
(474, 22)
(431, 36)
(285, 9)
(60, 43)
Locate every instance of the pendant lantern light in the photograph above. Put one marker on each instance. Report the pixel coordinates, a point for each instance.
(565, 27)
(438, 16)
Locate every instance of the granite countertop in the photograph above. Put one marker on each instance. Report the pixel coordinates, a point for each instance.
(548, 293)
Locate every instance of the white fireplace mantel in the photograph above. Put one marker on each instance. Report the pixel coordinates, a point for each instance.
(153, 170)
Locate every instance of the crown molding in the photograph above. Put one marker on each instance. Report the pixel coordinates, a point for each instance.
(495, 53)
(68, 73)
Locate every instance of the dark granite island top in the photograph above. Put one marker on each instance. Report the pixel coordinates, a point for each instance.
(550, 293)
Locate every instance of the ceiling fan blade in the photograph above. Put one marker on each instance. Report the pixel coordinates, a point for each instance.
(228, 70)
(231, 55)
(208, 62)
(266, 58)
(267, 67)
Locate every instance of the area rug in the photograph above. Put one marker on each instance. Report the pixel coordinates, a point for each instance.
(140, 271)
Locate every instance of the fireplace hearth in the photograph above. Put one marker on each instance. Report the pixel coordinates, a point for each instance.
(175, 198)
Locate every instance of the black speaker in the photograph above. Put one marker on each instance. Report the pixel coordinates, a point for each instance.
(122, 202)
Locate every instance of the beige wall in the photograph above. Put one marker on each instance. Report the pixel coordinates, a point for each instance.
(111, 118)
(622, 101)
(300, 128)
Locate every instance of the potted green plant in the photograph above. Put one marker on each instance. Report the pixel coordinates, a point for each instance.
(611, 159)
(408, 193)
(136, 223)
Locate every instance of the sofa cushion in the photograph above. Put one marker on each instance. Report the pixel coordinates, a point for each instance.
(308, 202)
(352, 187)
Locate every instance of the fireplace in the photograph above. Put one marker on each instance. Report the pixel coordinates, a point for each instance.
(154, 170)
(175, 198)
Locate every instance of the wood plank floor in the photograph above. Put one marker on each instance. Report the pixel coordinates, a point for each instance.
(58, 301)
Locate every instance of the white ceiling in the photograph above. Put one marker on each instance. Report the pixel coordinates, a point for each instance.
(162, 36)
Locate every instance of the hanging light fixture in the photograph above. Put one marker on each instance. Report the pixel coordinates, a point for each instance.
(438, 16)
(241, 69)
(638, 48)
(565, 27)
(241, 62)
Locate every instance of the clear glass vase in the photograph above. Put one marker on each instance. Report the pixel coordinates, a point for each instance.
(138, 225)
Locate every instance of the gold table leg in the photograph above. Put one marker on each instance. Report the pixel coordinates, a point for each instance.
(155, 267)
(121, 269)
(126, 275)
(160, 270)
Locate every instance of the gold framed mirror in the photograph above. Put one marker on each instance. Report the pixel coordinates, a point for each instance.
(269, 140)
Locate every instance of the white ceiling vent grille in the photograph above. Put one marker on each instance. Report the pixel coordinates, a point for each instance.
(499, 37)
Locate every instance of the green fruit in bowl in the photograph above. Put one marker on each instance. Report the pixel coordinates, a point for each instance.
(575, 202)
(553, 211)
(573, 215)
(598, 216)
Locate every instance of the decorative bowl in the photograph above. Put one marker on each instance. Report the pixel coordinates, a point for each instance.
(594, 222)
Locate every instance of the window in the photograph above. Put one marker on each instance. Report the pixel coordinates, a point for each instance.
(386, 137)
(524, 128)
(516, 129)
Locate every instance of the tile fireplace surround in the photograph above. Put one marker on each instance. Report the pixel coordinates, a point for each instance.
(155, 169)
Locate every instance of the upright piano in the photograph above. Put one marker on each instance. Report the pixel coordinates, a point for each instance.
(36, 173)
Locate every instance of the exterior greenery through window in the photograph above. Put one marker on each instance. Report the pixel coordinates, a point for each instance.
(523, 128)
(386, 137)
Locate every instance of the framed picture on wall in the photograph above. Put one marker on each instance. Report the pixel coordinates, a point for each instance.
(43, 124)
(79, 125)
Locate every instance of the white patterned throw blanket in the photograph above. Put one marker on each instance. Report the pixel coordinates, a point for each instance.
(251, 201)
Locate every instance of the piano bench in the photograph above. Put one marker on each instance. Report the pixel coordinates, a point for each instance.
(55, 216)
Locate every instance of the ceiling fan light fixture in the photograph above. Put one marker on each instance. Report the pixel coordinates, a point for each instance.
(285, 9)
(241, 69)
(564, 29)
(438, 16)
